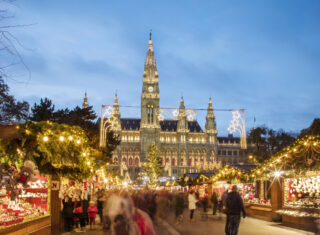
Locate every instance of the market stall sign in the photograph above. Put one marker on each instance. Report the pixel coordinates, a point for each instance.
(55, 185)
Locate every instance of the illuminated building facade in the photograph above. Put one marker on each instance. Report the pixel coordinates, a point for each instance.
(184, 147)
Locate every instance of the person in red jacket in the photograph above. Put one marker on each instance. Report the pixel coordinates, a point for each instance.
(92, 212)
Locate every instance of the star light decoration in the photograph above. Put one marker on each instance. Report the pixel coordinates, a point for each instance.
(165, 113)
(237, 124)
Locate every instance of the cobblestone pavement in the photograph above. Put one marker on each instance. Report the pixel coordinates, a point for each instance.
(215, 225)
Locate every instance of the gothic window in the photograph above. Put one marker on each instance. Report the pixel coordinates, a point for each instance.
(167, 160)
(115, 161)
(150, 113)
(190, 162)
(173, 161)
(124, 160)
(181, 161)
(130, 161)
(136, 161)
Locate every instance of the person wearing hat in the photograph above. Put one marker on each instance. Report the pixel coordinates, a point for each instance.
(234, 205)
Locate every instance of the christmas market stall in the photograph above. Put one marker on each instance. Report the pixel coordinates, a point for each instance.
(34, 156)
(295, 182)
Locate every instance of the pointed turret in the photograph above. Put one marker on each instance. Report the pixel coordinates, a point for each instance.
(85, 103)
(182, 118)
(211, 128)
(150, 67)
(115, 115)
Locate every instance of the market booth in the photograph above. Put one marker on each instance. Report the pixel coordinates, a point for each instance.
(301, 201)
(295, 183)
(29, 212)
(33, 157)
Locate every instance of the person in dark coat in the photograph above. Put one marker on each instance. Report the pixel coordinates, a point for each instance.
(100, 206)
(81, 216)
(85, 202)
(234, 206)
(67, 212)
(214, 200)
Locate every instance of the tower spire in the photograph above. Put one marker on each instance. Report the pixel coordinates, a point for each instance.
(85, 103)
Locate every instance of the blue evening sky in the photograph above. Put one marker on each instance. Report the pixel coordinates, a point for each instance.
(263, 56)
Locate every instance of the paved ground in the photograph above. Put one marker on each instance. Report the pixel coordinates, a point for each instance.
(98, 231)
(214, 225)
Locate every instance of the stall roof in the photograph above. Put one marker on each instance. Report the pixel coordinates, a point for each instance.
(243, 166)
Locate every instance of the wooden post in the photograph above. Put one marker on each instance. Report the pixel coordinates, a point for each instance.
(55, 206)
(276, 198)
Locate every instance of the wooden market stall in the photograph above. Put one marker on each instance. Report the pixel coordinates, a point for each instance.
(33, 157)
(295, 183)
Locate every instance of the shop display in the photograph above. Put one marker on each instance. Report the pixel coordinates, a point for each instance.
(302, 193)
(247, 191)
(296, 213)
(31, 201)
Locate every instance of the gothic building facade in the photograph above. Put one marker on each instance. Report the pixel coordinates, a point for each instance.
(183, 145)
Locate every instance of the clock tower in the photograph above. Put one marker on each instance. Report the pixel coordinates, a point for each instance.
(149, 126)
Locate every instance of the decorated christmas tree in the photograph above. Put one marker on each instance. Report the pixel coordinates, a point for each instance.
(153, 166)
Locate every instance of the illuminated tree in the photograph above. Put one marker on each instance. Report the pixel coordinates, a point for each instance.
(153, 165)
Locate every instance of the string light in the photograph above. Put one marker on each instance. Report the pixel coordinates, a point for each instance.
(70, 138)
(61, 138)
(45, 139)
(78, 141)
(84, 154)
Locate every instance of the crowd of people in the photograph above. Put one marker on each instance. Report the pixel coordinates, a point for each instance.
(119, 211)
(133, 212)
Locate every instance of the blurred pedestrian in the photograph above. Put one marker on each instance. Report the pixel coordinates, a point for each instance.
(92, 212)
(192, 204)
(67, 213)
(79, 212)
(234, 205)
(214, 200)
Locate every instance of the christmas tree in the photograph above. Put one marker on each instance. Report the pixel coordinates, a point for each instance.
(153, 166)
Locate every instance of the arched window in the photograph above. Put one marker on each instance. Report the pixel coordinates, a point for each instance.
(124, 160)
(150, 113)
(136, 161)
(173, 161)
(190, 162)
(130, 161)
(181, 161)
(115, 161)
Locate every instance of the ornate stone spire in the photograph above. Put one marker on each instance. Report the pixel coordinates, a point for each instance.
(115, 115)
(150, 67)
(182, 117)
(85, 103)
(210, 119)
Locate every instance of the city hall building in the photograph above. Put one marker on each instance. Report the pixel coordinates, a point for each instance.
(183, 145)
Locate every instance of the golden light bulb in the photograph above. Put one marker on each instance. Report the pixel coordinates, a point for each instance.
(61, 138)
(70, 138)
(45, 139)
(78, 141)
(84, 154)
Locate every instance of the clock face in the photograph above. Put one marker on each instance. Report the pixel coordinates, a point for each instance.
(150, 89)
